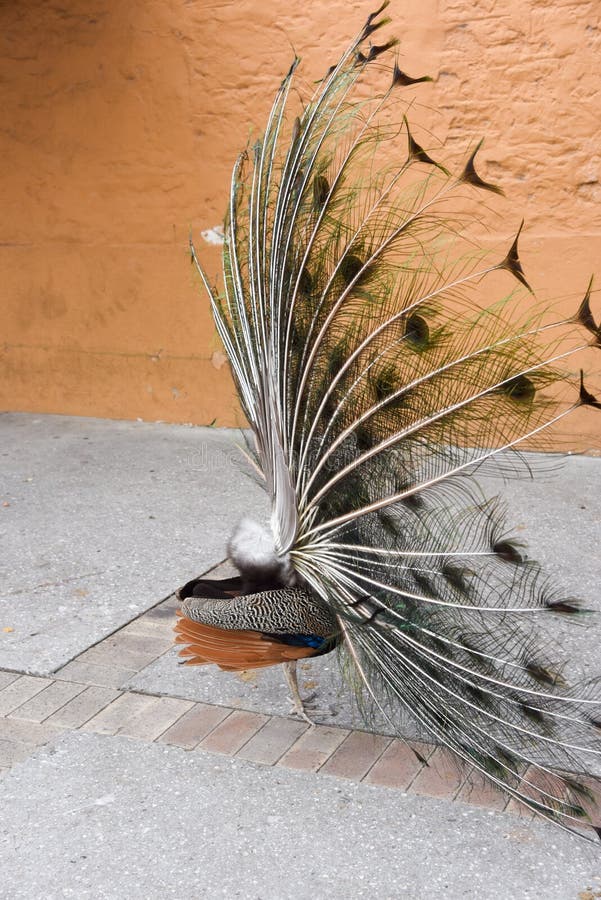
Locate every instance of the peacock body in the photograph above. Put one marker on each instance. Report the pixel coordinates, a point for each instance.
(383, 361)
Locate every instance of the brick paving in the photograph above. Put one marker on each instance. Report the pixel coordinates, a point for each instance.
(398, 766)
(233, 733)
(272, 741)
(51, 699)
(313, 748)
(20, 691)
(189, 730)
(356, 755)
(85, 695)
(83, 707)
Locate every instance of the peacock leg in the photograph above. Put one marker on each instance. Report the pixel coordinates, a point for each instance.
(298, 703)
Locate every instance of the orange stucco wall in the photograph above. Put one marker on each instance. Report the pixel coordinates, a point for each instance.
(120, 123)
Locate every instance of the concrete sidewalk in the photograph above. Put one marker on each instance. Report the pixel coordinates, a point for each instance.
(128, 776)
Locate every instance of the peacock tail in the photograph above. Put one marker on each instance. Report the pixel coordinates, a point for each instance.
(383, 360)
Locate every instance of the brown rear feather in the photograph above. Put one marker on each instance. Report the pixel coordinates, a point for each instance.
(232, 650)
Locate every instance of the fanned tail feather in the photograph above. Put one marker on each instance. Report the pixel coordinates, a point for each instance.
(382, 360)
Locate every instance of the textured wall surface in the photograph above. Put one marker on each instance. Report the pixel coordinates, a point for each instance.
(120, 125)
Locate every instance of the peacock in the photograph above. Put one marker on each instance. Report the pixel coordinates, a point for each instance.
(384, 361)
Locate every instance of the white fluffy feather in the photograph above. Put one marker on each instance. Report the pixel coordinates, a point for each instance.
(252, 550)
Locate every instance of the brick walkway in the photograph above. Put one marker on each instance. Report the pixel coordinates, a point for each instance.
(84, 695)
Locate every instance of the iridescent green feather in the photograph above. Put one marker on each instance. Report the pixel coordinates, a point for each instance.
(382, 360)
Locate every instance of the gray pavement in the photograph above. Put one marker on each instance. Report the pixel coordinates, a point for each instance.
(107, 817)
(105, 520)
(100, 521)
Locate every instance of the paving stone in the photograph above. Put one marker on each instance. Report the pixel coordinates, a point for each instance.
(32, 733)
(12, 752)
(154, 719)
(554, 785)
(128, 640)
(356, 755)
(514, 807)
(163, 612)
(118, 713)
(20, 691)
(19, 738)
(313, 748)
(7, 678)
(83, 707)
(517, 809)
(48, 701)
(127, 650)
(90, 673)
(272, 741)
(231, 735)
(477, 790)
(194, 725)
(152, 626)
(442, 777)
(398, 765)
(593, 808)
